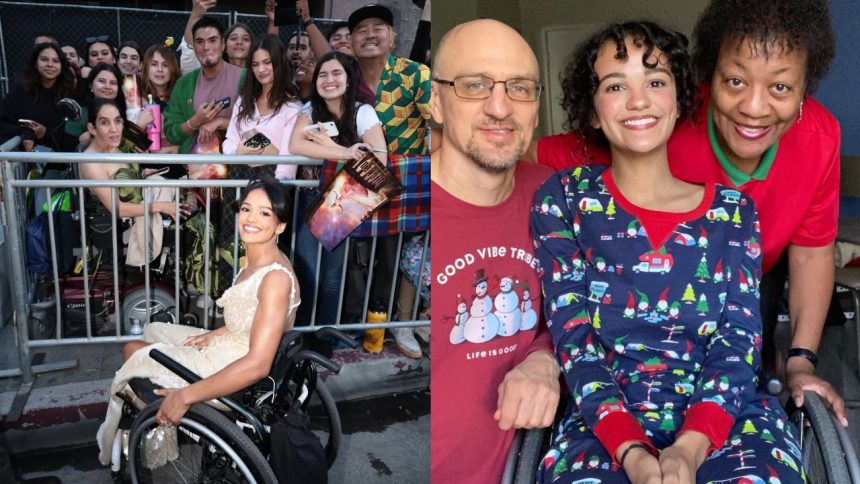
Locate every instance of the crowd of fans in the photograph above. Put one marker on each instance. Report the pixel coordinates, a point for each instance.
(218, 88)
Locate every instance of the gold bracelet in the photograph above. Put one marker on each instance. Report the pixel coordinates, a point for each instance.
(188, 123)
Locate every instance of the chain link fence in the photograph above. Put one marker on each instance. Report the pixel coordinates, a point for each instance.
(72, 24)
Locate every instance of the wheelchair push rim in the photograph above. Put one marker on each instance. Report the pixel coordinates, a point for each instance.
(211, 449)
(822, 455)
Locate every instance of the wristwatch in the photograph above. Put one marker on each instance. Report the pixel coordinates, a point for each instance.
(309, 22)
(803, 353)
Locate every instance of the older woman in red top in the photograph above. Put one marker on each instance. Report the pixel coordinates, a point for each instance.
(759, 131)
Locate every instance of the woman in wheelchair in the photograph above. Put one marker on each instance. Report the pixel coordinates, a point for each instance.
(650, 287)
(258, 309)
(105, 124)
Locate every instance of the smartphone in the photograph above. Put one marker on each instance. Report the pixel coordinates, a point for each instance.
(224, 102)
(259, 140)
(159, 172)
(329, 127)
(25, 122)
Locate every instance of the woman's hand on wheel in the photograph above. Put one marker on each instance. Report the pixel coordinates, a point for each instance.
(172, 408)
(800, 376)
(200, 341)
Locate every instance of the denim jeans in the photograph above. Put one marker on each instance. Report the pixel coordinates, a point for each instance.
(331, 268)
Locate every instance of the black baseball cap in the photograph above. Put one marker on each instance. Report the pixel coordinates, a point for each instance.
(370, 11)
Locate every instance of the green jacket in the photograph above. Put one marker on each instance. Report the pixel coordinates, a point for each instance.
(180, 108)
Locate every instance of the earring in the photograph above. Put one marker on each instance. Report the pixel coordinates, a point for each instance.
(800, 112)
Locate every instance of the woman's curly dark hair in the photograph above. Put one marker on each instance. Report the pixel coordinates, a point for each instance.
(772, 26)
(579, 81)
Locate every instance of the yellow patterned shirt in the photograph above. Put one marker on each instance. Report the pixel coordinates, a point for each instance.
(403, 105)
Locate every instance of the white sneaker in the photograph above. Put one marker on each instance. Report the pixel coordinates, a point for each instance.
(423, 332)
(406, 342)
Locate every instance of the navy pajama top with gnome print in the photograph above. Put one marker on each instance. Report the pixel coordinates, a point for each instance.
(656, 326)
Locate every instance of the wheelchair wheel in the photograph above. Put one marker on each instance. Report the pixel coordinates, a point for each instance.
(211, 448)
(821, 450)
(531, 452)
(332, 427)
(133, 309)
(42, 311)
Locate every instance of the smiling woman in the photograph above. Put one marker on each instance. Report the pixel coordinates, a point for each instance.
(634, 82)
(267, 105)
(759, 131)
(333, 99)
(103, 83)
(258, 309)
(47, 79)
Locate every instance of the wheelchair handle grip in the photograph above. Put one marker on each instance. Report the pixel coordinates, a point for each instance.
(288, 338)
(305, 355)
(330, 332)
(174, 366)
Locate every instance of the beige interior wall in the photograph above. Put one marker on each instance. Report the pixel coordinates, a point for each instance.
(533, 17)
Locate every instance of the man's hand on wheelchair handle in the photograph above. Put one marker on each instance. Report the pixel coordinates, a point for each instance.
(528, 395)
(173, 408)
(800, 376)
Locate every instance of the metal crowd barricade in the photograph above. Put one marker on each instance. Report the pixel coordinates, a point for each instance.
(23, 282)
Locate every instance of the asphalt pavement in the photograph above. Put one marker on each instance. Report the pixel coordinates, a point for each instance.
(386, 440)
(49, 424)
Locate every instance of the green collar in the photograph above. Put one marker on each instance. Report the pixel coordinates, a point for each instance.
(737, 176)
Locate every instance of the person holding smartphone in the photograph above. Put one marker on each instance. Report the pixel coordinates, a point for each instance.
(266, 111)
(105, 124)
(30, 109)
(192, 112)
(262, 120)
(334, 99)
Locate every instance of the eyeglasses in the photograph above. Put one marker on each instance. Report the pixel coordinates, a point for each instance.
(481, 87)
(100, 38)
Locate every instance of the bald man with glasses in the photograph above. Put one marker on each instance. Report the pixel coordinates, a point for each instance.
(493, 366)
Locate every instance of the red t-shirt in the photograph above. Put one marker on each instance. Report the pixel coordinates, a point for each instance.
(486, 320)
(797, 199)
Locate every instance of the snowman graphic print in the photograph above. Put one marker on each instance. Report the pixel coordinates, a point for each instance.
(499, 306)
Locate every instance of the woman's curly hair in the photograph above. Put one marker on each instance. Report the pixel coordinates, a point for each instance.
(771, 26)
(579, 81)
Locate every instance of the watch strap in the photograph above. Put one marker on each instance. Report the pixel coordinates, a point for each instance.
(803, 353)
